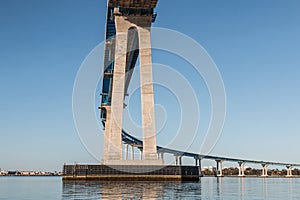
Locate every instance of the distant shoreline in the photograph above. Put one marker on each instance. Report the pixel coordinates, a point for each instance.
(207, 176)
(253, 176)
(27, 175)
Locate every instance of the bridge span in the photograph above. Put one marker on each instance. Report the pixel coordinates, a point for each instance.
(119, 12)
(133, 142)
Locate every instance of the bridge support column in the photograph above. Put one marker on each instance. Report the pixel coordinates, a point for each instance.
(106, 134)
(219, 168)
(200, 167)
(264, 170)
(132, 152)
(198, 164)
(141, 154)
(241, 169)
(117, 103)
(126, 151)
(147, 94)
(124, 25)
(180, 160)
(289, 171)
(176, 160)
(162, 156)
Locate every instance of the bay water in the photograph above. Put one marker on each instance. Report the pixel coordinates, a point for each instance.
(231, 188)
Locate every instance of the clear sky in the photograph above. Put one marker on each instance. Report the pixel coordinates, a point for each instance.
(254, 43)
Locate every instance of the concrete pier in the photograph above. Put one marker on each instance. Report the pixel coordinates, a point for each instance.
(132, 35)
(264, 170)
(241, 169)
(130, 173)
(289, 171)
(219, 172)
(199, 165)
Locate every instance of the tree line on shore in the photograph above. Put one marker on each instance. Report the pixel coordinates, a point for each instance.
(231, 171)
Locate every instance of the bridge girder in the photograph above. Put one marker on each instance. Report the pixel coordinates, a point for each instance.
(142, 4)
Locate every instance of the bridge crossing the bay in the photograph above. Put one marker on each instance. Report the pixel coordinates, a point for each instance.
(128, 37)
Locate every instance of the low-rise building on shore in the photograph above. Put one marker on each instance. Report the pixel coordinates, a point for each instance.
(29, 173)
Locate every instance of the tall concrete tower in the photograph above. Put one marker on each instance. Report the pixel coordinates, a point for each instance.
(129, 23)
(127, 37)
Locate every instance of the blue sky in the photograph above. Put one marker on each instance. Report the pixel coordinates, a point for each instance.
(255, 45)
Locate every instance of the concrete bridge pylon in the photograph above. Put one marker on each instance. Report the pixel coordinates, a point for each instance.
(132, 35)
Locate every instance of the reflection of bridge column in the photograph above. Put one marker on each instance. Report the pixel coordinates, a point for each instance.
(264, 170)
(219, 187)
(219, 168)
(241, 184)
(241, 168)
(289, 171)
(147, 94)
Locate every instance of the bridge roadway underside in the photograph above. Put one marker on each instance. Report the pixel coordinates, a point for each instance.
(130, 173)
(142, 4)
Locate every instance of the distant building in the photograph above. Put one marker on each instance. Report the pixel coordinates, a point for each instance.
(3, 173)
(12, 173)
(209, 168)
(28, 173)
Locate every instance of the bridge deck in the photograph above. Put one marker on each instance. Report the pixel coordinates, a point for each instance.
(143, 4)
(127, 138)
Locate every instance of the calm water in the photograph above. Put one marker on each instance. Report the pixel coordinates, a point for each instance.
(44, 188)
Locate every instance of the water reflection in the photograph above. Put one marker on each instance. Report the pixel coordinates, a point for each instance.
(208, 188)
(219, 186)
(241, 184)
(265, 187)
(112, 190)
(130, 190)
